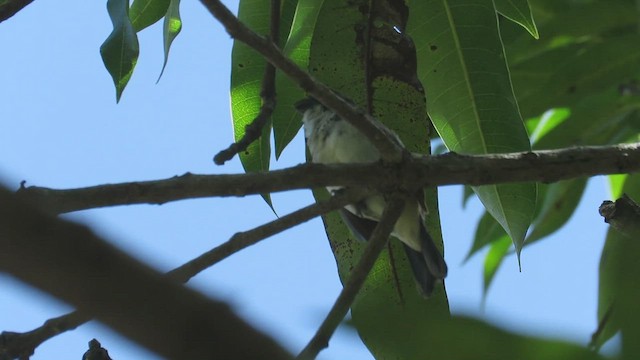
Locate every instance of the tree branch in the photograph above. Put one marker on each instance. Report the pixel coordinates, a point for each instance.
(11, 7)
(130, 297)
(544, 166)
(623, 215)
(253, 131)
(375, 245)
(374, 130)
(17, 344)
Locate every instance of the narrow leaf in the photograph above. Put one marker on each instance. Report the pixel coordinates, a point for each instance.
(471, 103)
(519, 12)
(558, 205)
(144, 13)
(487, 232)
(286, 121)
(497, 251)
(171, 28)
(120, 50)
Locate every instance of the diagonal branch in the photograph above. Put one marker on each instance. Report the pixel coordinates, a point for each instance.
(121, 292)
(374, 130)
(18, 344)
(544, 166)
(375, 245)
(268, 94)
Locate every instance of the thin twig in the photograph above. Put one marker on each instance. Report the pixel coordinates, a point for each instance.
(268, 94)
(545, 166)
(390, 150)
(375, 245)
(11, 7)
(245, 239)
(15, 344)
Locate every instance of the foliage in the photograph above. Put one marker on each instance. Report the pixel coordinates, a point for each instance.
(489, 76)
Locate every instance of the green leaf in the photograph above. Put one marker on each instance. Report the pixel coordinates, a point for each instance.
(144, 13)
(519, 12)
(170, 30)
(120, 50)
(465, 338)
(286, 120)
(487, 232)
(390, 291)
(616, 184)
(247, 69)
(462, 65)
(619, 270)
(497, 251)
(548, 122)
(558, 205)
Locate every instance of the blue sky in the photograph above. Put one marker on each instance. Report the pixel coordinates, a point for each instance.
(60, 127)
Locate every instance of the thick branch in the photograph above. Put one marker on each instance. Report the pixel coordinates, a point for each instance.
(357, 277)
(374, 130)
(11, 7)
(18, 344)
(544, 166)
(133, 299)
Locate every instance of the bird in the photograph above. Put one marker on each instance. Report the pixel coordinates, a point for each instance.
(333, 140)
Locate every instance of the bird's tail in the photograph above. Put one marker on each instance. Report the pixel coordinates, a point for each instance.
(428, 265)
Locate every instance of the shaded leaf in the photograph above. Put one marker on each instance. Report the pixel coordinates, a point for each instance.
(519, 12)
(144, 13)
(558, 205)
(497, 251)
(461, 63)
(170, 30)
(390, 290)
(487, 232)
(120, 50)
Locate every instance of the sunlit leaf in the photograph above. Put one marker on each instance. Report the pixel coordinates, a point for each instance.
(549, 121)
(144, 13)
(519, 12)
(471, 103)
(120, 50)
(170, 30)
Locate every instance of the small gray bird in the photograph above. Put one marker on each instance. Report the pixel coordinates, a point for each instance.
(332, 140)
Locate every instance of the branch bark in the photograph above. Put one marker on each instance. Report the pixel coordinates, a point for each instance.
(128, 296)
(448, 169)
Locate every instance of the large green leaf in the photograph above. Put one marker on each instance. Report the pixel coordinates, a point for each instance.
(247, 69)
(286, 121)
(144, 13)
(519, 12)
(468, 339)
(170, 30)
(120, 50)
(470, 100)
(389, 304)
(487, 232)
(613, 260)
